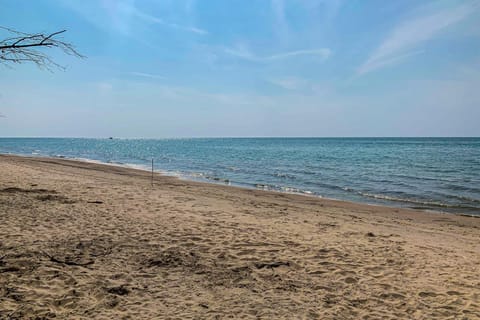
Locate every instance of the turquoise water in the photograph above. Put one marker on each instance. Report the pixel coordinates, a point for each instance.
(440, 174)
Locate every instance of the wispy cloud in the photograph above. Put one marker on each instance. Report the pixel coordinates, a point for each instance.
(243, 52)
(289, 83)
(149, 18)
(146, 75)
(370, 66)
(323, 53)
(122, 16)
(404, 38)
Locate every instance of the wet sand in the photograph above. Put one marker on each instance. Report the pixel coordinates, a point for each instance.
(89, 241)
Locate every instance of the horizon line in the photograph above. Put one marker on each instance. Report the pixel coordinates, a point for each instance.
(236, 137)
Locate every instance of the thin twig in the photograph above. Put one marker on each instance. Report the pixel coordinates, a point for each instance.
(24, 47)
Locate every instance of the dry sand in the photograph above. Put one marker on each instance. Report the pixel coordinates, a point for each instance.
(88, 241)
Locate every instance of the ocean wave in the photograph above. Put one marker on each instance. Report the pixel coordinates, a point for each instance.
(463, 188)
(203, 176)
(461, 198)
(304, 171)
(433, 204)
(420, 178)
(262, 186)
(283, 175)
(217, 179)
(324, 185)
(284, 189)
(295, 190)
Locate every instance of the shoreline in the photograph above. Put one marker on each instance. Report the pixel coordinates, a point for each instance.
(233, 185)
(92, 241)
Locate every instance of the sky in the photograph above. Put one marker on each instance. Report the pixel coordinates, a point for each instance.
(247, 68)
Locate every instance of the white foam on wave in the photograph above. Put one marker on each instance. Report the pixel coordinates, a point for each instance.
(414, 201)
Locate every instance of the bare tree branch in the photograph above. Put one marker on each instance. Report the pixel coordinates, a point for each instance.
(23, 47)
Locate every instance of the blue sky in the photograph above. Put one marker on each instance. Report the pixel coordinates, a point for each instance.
(208, 68)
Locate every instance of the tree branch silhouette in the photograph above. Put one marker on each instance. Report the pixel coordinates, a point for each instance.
(23, 47)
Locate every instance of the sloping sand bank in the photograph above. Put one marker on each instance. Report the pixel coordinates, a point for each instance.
(89, 241)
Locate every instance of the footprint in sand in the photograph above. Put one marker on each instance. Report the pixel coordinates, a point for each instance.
(425, 294)
(350, 280)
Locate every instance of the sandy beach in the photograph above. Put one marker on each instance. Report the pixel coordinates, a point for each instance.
(89, 241)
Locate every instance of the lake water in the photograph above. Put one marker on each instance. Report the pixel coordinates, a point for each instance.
(440, 174)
